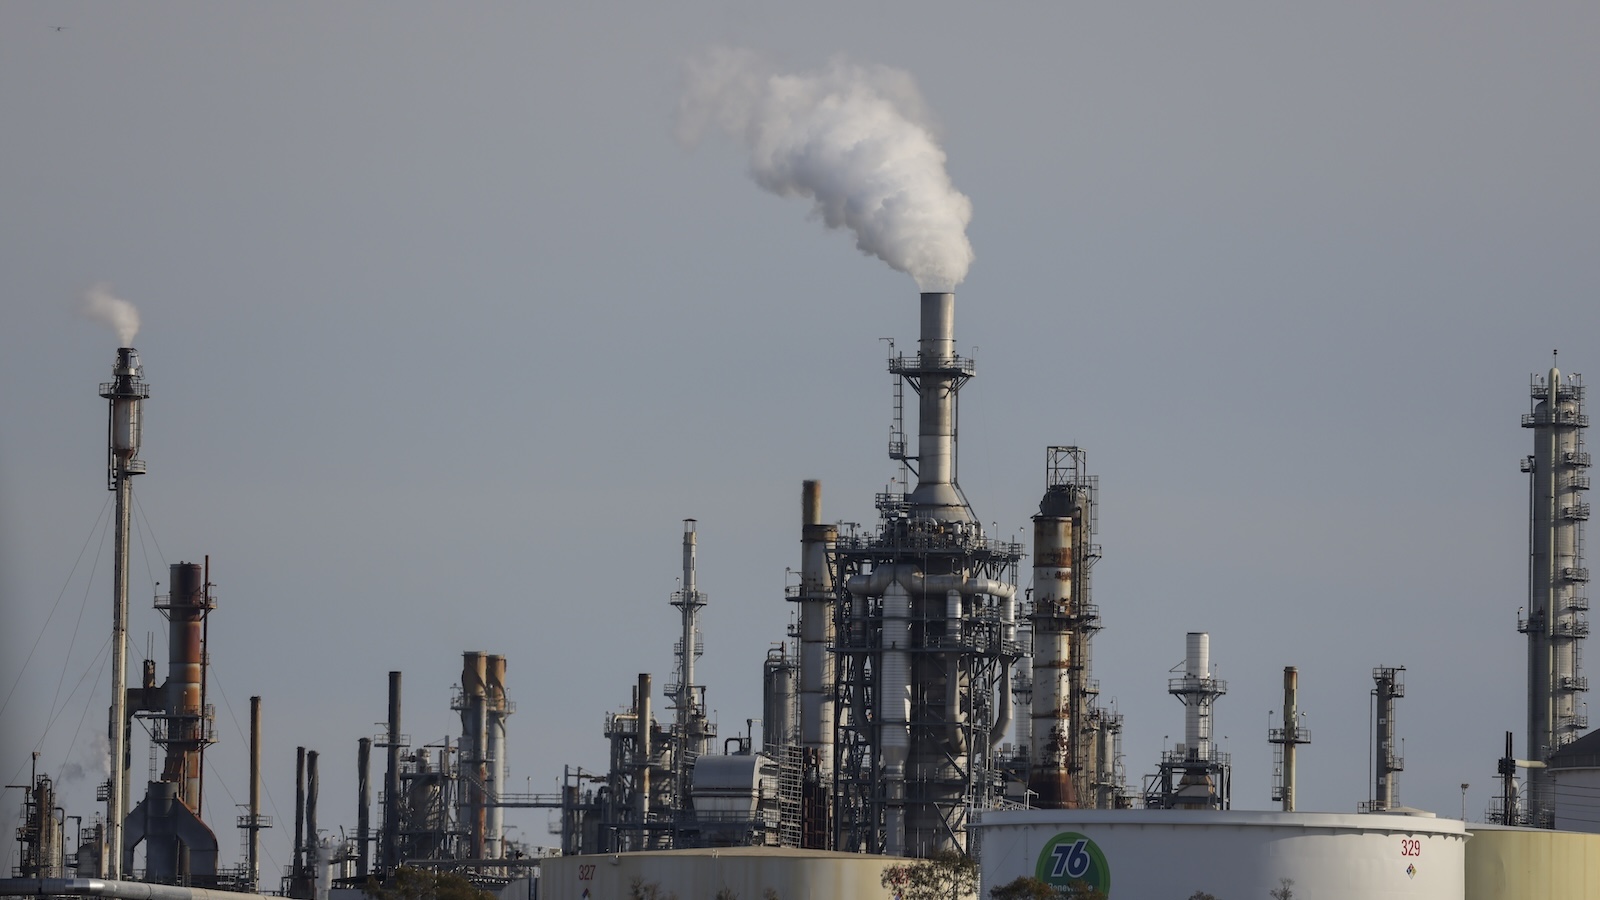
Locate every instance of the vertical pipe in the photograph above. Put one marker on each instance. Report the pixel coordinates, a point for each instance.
(391, 782)
(253, 850)
(299, 811)
(642, 740)
(690, 589)
(363, 806)
(816, 628)
(126, 393)
(894, 712)
(1291, 732)
(313, 856)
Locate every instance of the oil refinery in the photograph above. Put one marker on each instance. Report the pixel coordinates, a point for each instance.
(929, 697)
(921, 703)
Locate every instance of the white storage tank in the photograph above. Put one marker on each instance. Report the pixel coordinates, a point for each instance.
(1231, 854)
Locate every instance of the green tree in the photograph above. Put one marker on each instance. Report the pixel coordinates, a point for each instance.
(946, 875)
(1024, 888)
(408, 883)
(640, 889)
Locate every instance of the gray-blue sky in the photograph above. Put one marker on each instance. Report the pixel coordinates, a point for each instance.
(446, 334)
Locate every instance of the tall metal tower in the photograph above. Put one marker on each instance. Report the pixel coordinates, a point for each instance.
(1388, 685)
(925, 635)
(127, 393)
(692, 730)
(1556, 621)
(1063, 755)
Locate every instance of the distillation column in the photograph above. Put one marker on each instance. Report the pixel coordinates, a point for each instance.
(816, 597)
(1388, 686)
(1064, 753)
(1557, 615)
(126, 393)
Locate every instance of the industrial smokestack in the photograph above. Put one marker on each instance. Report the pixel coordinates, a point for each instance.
(1287, 738)
(499, 707)
(127, 392)
(363, 806)
(816, 598)
(937, 376)
(299, 812)
(391, 782)
(474, 725)
(187, 605)
(312, 788)
(253, 850)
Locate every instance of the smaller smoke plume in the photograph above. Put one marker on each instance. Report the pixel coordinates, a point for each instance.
(107, 308)
(854, 140)
(90, 758)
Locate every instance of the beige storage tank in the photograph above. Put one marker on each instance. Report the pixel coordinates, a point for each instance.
(1532, 864)
(747, 872)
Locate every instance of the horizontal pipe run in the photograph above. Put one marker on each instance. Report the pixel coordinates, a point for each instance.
(123, 890)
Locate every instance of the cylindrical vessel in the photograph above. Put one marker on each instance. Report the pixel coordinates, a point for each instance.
(1197, 716)
(185, 657)
(363, 805)
(391, 782)
(936, 496)
(1049, 755)
(894, 711)
(816, 628)
(778, 727)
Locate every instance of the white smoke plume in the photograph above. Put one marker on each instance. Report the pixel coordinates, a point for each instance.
(855, 140)
(107, 308)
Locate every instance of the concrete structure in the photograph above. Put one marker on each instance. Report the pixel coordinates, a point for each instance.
(1228, 853)
(745, 872)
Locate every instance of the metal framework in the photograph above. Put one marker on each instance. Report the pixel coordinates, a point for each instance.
(924, 619)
